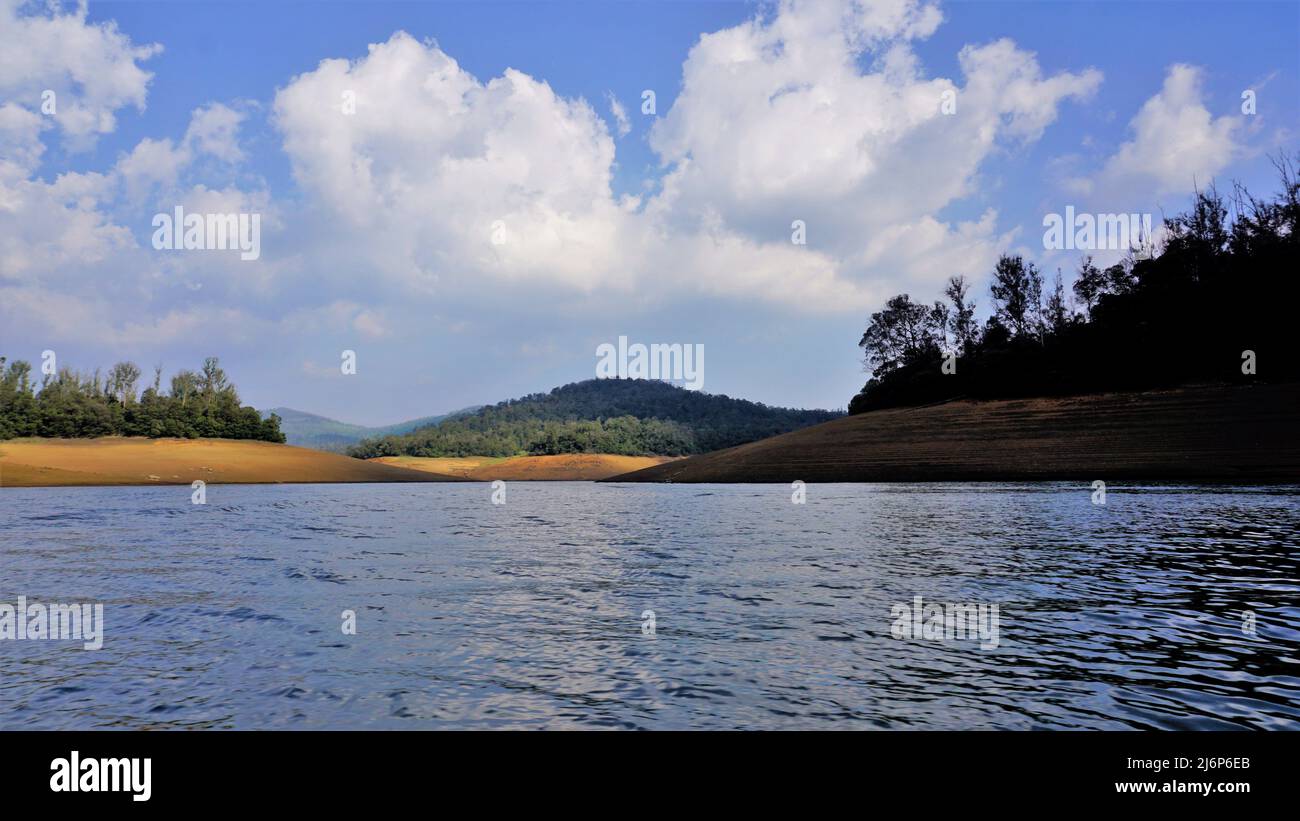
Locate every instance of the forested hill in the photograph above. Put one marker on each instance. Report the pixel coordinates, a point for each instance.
(619, 416)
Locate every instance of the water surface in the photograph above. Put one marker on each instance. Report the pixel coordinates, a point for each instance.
(767, 614)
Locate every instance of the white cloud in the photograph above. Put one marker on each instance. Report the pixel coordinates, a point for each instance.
(74, 232)
(20, 142)
(152, 163)
(92, 68)
(619, 113)
(777, 121)
(70, 263)
(818, 111)
(435, 163)
(56, 230)
(1176, 143)
(213, 131)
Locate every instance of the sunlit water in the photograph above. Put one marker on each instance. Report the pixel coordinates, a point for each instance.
(768, 614)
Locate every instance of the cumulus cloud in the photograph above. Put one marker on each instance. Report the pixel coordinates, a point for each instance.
(444, 179)
(91, 68)
(213, 131)
(777, 121)
(20, 142)
(416, 178)
(48, 228)
(444, 176)
(1176, 143)
(61, 232)
(71, 266)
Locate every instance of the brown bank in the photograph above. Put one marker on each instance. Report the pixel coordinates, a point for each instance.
(131, 461)
(569, 467)
(1203, 434)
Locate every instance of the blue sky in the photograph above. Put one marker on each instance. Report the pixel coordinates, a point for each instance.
(673, 228)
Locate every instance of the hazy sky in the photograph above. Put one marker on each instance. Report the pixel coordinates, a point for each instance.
(471, 198)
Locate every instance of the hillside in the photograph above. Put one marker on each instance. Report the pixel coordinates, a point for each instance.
(611, 416)
(138, 461)
(310, 430)
(1218, 433)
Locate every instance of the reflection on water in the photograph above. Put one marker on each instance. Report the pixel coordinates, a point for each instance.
(768, 614)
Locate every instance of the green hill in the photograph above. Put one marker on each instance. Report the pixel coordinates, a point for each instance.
(309, 430)
(617, 416)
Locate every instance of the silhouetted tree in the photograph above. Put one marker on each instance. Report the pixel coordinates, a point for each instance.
(1220, 284)
(1017, 290)
(903, 332)
(965, 331)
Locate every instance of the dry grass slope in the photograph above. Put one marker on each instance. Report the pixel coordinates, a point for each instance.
(129, 461)
(1211, 433)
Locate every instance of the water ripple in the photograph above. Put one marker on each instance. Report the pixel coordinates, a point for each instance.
(767, 614)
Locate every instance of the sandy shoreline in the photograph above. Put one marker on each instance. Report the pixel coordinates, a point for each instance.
(1201, 434)
(136, 461)
(571, 467)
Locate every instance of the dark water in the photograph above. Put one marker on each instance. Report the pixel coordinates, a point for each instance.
(768, 614)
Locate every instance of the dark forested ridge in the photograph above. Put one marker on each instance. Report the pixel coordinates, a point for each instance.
(74, 405)
(632, 417)
(1216, 303)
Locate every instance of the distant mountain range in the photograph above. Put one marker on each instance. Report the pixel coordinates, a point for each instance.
(625, 417)
(309, 430)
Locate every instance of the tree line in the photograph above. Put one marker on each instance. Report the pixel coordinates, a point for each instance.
(1215, 302)
(622, 435)
(631, 417)
(70, 404)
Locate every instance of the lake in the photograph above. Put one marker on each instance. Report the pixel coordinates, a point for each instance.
(1167, 607)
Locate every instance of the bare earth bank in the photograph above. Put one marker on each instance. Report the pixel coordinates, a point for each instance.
(135, 461)
(1203, 433)
(570, 467)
